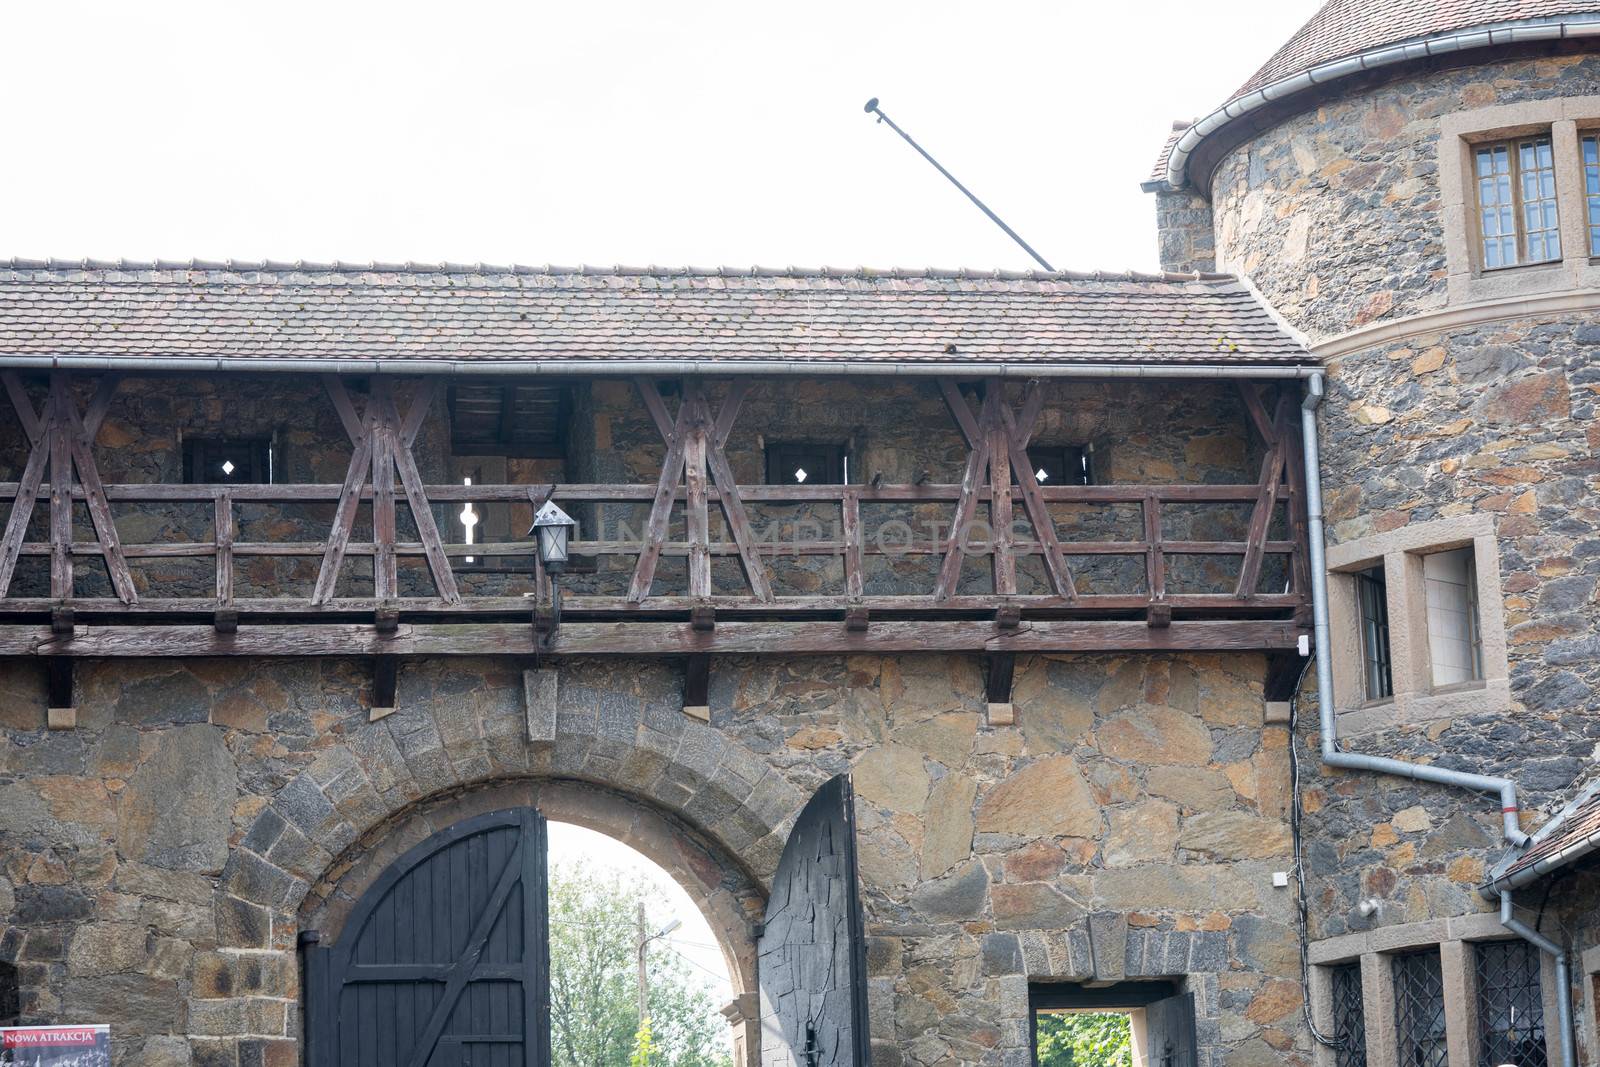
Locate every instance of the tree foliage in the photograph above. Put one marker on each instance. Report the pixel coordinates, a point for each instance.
(1084, 1039)
(594, 1015)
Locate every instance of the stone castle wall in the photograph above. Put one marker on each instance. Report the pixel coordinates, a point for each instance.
(1336, 216)
(160, 860)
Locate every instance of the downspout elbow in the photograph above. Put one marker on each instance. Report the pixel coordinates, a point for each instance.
(1564, 1020)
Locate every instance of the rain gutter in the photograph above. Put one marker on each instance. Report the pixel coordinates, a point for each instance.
(1506, 33)
(542, 368)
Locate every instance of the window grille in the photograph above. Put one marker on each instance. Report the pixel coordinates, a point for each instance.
(1419, 1010)
(1349, 1016)
(1517, 213)
(1510, 1005)
(1374, 595)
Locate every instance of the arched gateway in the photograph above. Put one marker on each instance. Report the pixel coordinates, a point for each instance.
(444, 958)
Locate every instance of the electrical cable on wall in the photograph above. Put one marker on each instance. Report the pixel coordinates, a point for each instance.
(1302, 906)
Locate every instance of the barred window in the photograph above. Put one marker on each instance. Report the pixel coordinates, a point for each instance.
(1349, 1016)
(1510, 1005)
(1517, 213)
(1591, 189)
(1419, 1009)
(1374, 595)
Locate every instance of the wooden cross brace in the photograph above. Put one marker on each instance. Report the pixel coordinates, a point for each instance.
(64, 441)
(383, 443)
(1280, 439)
(695, 441)
(997, 445)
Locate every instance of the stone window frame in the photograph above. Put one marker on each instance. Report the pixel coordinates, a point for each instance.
(1454, 938)
(1415, 698)
(1564, 119)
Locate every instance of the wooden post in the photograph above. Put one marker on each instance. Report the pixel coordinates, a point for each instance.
(60, 490)
(223, 508)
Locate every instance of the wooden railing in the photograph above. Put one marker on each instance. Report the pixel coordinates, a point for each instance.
(696, 477)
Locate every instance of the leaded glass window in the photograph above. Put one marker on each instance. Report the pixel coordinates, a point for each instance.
(1517, 214)
(1510, 1004)
(1591, 190)
(1349, 1016)
(1419, 1010)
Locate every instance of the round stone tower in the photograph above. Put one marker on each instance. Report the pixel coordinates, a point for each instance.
(1416, 188)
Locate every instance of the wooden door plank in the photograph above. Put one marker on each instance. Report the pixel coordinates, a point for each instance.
(461, 970)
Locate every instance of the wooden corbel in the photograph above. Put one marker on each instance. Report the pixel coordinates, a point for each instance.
(856, 619)
(696, 687)
(1001, 666)
(385, 668)
(1159, 615)
(61, 713)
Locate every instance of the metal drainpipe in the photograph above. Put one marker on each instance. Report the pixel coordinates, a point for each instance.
(1569, 1053)
(1333, 757)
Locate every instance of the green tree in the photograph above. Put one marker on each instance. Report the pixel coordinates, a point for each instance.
(594, 1014)
(1084, 1039)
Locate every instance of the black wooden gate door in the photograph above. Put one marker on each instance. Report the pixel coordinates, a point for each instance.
(444, 960)
(812, 953)
(1169, 1029)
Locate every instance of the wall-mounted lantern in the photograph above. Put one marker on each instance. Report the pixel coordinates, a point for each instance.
(553, 528)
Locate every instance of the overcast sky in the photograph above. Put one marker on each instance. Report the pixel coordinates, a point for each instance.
(704, 134)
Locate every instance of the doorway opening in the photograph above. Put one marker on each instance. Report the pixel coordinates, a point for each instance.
(1126, 1024)
(636, 973)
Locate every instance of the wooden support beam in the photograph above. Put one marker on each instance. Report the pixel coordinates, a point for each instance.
(222, 529)
(856, 619)
(978, 444)
(61, 711)
(225, 621)
(696, 514)
(60, 488)
(385, 571)
(733, 511)
(80, 445)
(822, 637)
(1002, 518)
(1000, 668)
(850, 531)
(1159, 616)
(676, 436)
(1266, 502)
(697, 686)
(385, 683)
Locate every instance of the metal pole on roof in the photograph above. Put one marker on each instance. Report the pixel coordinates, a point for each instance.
(872, 108)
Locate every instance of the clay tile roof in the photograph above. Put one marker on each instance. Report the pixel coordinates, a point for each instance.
(1346, 27)
(1577, 835)
(465, 313)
